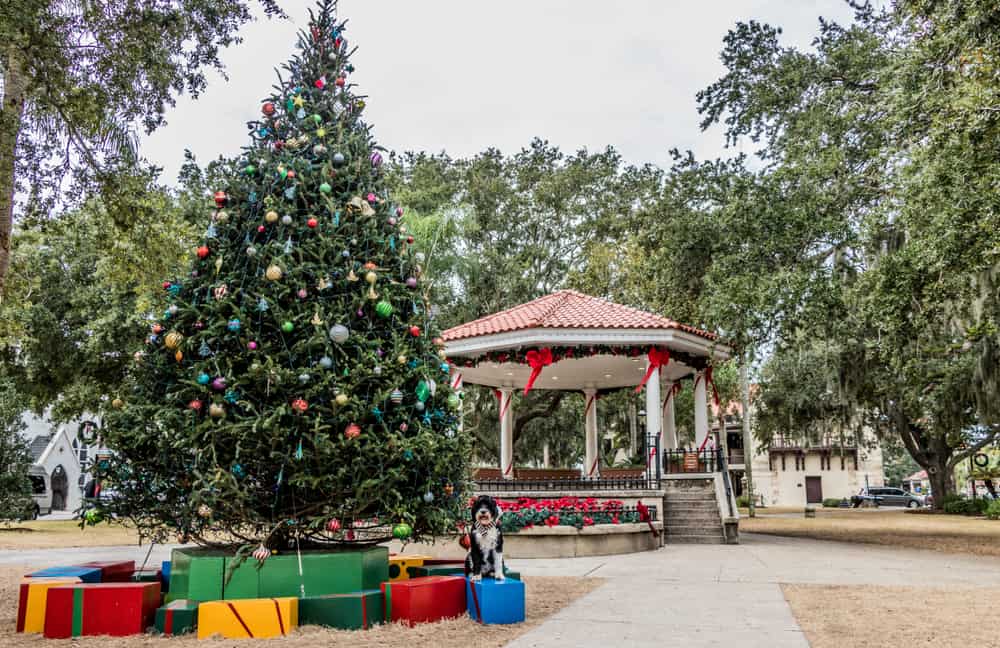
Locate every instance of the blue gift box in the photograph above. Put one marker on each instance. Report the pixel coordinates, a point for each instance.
(165, 576)
(85, 574)
(495, 602)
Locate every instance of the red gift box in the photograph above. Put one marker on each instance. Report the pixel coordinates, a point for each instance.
(116, 609)
(424, 599)
(113, 571)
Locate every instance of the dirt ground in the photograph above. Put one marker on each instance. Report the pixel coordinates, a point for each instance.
(946, 533)
(50, 534)
(545, 596)
(835, 616)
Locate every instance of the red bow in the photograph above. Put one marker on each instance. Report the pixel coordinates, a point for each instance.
(536, 360)
(673, 391)
(644, 516)
(710, 381)
(657, 358)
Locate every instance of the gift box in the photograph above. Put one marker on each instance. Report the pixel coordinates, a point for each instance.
(400, 566)
(424, 599)
(248, 618)
(31, 602)
(177, 617)
(165, 576)
(116, 609)
(85, 574)
(113, 571)
(354, 611)
(495, 602)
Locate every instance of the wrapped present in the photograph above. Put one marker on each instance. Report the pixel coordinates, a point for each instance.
(113, 571)
(424, 599)
(31, 601)
(438, 570)
(148, 575)
(177, 617)
(354, 611)
(196, 574)
(253, 618)
(165, 576)
(495, 602)
(401, 566)
(85, 574)
(116, 609)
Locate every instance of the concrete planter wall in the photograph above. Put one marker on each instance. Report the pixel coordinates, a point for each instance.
(569, 542)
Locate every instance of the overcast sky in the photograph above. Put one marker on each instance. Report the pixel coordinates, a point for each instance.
(464, 75)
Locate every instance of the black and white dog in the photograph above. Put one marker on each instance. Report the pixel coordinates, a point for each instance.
(485, 541)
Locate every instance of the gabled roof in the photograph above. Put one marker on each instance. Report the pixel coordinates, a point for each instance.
(38, 445)
(567, 309)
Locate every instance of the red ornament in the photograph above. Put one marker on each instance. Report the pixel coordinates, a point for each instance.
(320, 83)
(339, 82)
(291, 174)
(267, 108)
(195, 405)
(415, 331)
(315, 32)
(279, 144)
(166, 285)
(409, 239)
(465, 542)
(300, 405)
(352, 431)
(333, 525)
(203, 251)
(220, 199)
(260, 228)
(312, 222)
(337, 42)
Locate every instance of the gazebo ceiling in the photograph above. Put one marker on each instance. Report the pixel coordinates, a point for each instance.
(569, 319)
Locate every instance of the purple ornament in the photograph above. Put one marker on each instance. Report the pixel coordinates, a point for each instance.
(376, 159)
(379, 352)
(403, 427)
(399, 211)
(219, 384)
(392, 221)
(370, 197)
(302, 293)
(360, 313)
(252, 345)
(411, 282)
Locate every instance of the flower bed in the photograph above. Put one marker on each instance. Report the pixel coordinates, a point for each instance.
(525, 513)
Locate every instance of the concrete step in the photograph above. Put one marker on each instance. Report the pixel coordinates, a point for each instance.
(693, 510)
(692, 505)
(690, 500)
(701, 539)
(699, 520)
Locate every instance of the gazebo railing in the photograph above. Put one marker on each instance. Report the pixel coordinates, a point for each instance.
(707, 460)
(568, 484)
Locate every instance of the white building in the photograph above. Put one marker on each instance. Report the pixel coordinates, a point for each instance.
(58, 450)
(794, 471)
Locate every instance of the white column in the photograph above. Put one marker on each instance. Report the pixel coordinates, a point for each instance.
(506, 433)
(590, 461)
(653, 405)
(668, 435)
(700, 409)
(545, 455)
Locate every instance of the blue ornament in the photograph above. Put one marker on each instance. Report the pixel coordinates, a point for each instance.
(407, 454)
(231, 396)
(378, 414)
(326, 362)
(290, 193)
(300, 113)
(252, 198)
(166, 314)
(262, 305)
(234, 325)
(211, 232)
(345, 254)
(203, 378)
(262, 131)
(204, 351)
(174, 289)
(336, 219)
(298, 451)
(238, 471)
(445, 367)
(153, 339)
(428, 497)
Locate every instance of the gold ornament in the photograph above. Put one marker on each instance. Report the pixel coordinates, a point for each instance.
(178, 356)
(401, 359)
(205, 511)
(215, 410)
(341, 399)
(323, 284)
(273, 273)
(222, 217)
(117, 403)
(371, 277)
(351, 276)
(443, 354)
(271, 216)
(173, 340)
(321, 132)
(316, 321)
(298, 101)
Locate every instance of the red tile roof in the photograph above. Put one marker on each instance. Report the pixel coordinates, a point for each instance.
(567, 309)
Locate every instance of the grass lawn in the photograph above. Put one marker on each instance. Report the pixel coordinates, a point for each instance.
(946, 533)
(545, 596)
(835, 616)
(46, 534)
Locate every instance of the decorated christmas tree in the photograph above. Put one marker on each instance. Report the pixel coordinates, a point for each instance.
(294, 389)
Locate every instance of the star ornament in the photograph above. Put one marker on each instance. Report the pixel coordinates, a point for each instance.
(298, 101)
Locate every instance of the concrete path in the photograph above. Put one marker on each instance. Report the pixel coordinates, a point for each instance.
(681, 595)
(710, 595)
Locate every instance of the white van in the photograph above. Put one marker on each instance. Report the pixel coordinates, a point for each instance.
(41, 492)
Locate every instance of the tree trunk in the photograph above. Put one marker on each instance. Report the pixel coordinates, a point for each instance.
(11, 115)
(942, 481)
(747, 436)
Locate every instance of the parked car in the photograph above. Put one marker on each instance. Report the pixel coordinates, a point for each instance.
(888, 497)
(40, 491)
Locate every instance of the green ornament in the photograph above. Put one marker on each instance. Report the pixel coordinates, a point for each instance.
(92, 516)
(454, 402)
(423, 391)
(383, 309)
(249, 169)
(402, 531)
(317, 119)
(325, 188)
(287, 326)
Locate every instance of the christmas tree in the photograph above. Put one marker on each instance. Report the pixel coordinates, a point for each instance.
(294, 389)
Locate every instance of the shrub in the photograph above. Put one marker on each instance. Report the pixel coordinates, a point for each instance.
(957, 505)
(832, 502)
(743, 501)
(993, 510)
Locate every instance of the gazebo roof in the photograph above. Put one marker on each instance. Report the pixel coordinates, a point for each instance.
(567, 309)
(613, 339)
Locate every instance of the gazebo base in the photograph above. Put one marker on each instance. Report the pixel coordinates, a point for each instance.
(570, 542)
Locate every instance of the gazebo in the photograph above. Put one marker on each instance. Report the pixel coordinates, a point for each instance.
(571, 341)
